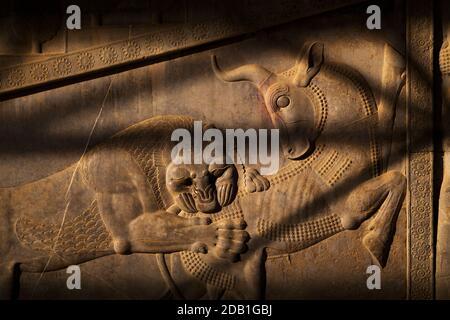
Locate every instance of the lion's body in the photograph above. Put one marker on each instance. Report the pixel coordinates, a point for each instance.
(59, 215)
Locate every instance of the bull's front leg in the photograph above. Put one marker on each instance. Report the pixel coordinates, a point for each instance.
(384, 196)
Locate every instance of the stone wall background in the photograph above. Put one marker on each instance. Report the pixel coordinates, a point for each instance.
(45, 132)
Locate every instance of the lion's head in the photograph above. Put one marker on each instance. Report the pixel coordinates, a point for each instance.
(201, 187)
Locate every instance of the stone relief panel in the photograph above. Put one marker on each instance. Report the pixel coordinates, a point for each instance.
(88, 175)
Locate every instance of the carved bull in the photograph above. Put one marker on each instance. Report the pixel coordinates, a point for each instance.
(333, 179)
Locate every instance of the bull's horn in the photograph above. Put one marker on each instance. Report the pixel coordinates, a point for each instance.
(250, 72)
(309, 64)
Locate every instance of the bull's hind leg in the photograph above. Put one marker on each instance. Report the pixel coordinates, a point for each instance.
(382, 195)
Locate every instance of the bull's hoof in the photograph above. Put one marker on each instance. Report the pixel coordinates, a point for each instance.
(377, 248)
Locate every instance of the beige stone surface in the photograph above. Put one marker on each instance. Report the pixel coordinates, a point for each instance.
(86, 176)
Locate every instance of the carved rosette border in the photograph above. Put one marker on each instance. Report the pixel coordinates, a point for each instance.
(421, 260)
(420, 256)
(161, 43)
(114, 54)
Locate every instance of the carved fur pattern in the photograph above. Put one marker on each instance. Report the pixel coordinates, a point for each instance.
(369, 107)
(205, 273)
(84, 233)
(320, 105)
(332, 166)
(147, 143)
(329, 164)
(303, 234)
(444, 59)
(199, 269)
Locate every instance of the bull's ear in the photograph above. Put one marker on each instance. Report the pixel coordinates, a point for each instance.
(308, 64)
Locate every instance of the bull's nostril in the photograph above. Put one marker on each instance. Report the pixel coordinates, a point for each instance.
(290, 150)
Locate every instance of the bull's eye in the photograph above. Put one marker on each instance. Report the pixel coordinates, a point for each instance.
(283, 101)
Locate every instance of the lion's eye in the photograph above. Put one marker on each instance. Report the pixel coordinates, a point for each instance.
(283, 101)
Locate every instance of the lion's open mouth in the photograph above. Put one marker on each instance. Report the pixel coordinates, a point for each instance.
(206, 200)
